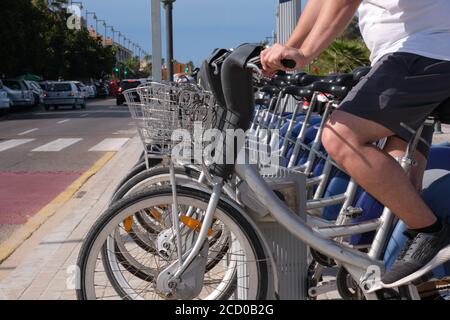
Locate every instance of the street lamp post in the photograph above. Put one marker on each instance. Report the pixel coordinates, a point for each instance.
(96, 26)
(104, 39)
(134, 49)
(156, 40)
(128, 47)
(113, 32)
(87, 17)
(77, 2)
(168, 5)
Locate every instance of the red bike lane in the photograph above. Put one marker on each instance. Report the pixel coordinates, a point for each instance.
(23, 194)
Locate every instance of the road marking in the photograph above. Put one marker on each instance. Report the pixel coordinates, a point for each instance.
(111, 144)
(56, 145)
(77, 113)
(63, 121)
(84, 115)
(18, 237)
(9, 144)
(28, 131)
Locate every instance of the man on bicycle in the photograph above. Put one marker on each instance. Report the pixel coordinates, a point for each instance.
(409, 42)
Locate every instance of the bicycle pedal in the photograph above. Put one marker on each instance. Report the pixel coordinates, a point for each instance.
(352, 212)
(322, 288)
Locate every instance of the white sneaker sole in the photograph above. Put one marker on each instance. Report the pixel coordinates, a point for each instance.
(442, 257)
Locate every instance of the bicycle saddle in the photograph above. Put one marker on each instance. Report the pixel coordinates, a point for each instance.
(305, 92)
(442, 113)
(273, 90)
(336, 90)
(360, 72)
(345, 80)
(278, 83)
(287, 78)
(282, 76)
(309, 79)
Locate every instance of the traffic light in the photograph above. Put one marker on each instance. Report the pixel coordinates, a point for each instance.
(186, 69)
(116, 70)
(125, 73)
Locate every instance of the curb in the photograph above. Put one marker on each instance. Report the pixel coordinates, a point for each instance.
(8, 247)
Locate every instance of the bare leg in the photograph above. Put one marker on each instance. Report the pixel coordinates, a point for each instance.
(396, 148)
(348, 139)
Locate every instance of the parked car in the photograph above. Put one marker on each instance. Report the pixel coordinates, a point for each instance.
(91, 90)
(37, 91)
(5, 102)
(83, 88)
(63, 93)
(102, 89)
(124, 85)
(19, 93)
(43, 85)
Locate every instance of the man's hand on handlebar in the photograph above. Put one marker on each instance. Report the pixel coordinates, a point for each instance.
(271, 59)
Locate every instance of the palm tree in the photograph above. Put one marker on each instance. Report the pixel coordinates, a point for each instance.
(342, 56)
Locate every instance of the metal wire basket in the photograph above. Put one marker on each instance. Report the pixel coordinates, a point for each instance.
(167, 114)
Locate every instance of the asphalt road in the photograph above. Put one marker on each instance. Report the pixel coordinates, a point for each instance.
(43, 152)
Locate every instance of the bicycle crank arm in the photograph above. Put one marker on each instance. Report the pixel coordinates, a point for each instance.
(322, 288)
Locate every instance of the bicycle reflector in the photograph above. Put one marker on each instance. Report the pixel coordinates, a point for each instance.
(194, 224)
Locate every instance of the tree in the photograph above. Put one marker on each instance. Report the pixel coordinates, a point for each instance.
(38, 41)
(344, 54)
(352, 32)
(133, 67)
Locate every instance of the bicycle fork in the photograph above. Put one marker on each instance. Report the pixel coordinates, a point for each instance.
(183, 279)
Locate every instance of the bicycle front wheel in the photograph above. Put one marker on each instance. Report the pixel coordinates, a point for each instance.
(240, 272)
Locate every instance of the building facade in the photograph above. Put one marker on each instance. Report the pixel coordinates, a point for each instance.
(288, 12)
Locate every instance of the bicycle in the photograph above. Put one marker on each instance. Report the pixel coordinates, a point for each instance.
(355, 262)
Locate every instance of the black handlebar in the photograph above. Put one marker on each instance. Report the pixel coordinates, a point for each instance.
(288, 63)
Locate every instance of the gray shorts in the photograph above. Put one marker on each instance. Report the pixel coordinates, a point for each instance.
(401, 88)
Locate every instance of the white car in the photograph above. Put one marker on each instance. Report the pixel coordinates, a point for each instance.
(91, 91)
(5, 102)
(64, 93)
(19, 93)
(37, 91)
(83, 88)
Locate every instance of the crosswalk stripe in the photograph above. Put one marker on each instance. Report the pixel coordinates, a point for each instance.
(28, 131)
(111, 144)
(9, 144)
(57, 145)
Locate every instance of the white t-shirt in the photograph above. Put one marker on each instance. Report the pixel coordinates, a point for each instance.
(415, 26)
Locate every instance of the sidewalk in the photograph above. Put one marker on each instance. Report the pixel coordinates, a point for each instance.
(444, 137)
(39, 268)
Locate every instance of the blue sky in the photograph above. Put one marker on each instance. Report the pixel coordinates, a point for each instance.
(199, 25)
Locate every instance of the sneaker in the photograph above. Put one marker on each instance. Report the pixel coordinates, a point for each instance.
(420, 249)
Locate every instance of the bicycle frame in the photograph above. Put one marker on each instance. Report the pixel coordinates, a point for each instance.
(364, 267)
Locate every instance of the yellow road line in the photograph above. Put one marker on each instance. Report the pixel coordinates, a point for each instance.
(23, 233)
